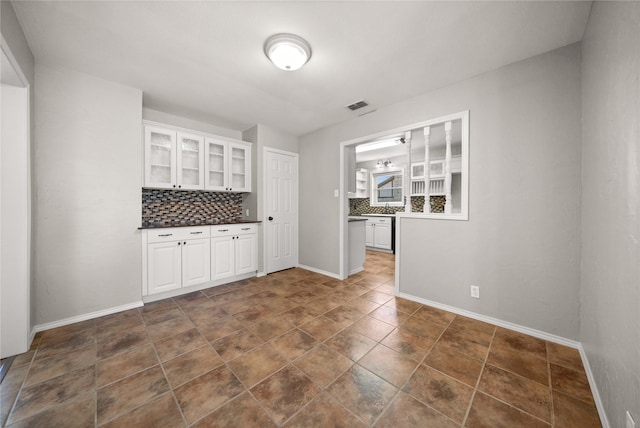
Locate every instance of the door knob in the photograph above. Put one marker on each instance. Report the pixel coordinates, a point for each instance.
(270, 218)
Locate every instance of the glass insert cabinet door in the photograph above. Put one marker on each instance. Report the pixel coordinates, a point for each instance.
(160, 160)
(190, 161)
(216, 165)
(227, 166)
(239, 167)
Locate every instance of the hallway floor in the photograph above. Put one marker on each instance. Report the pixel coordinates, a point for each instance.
(295, 349)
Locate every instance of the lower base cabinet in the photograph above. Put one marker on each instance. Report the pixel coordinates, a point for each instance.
(234, 250)
(378, 232)
(176, 258)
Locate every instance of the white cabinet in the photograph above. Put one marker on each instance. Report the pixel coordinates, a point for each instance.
(379, 233)
(176, 158)
(227, 165)
(361, 184)
(165, 266)
(173, 159)
(234, 250)
(177, 257)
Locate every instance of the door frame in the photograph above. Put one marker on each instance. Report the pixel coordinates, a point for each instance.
(24, 180)
(263, 205)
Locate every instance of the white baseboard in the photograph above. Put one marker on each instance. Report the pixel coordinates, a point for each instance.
(356, 270)
(261, 273)
(495, 321)
(320, 271)
(531, 332)
(84, 317)
(594, 388)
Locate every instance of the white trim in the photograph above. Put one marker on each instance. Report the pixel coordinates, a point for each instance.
(356, 270)
(261, 273)
(320, 271)
(263, 208)
(594, 388)
(84, 317)
(495, 321)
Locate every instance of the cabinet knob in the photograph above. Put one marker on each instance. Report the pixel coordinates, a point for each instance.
(180, 186)
(270, 218)
(230, 188)
(174, 186)
(179, 243)
(185, 243)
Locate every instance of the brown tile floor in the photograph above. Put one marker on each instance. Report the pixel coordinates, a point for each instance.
(295, 349)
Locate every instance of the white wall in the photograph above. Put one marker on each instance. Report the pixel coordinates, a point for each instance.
(521, 244)
(610, 294)
(183, 122)
(88, 162)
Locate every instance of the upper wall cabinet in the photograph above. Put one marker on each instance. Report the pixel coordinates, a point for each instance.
(227, 166)
(173, 159)
(177, 159)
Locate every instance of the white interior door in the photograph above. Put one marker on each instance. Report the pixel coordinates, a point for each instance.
(281, 170)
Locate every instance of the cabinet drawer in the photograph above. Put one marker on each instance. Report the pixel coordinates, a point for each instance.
(233, 229)
(178, 234)
(379, 220)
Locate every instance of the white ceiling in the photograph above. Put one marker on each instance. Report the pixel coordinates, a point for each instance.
(204, 60)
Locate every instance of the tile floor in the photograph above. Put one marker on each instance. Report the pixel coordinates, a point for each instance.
(295, 349)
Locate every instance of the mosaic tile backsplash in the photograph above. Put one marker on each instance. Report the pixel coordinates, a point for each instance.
(360, 206)
(185, 207)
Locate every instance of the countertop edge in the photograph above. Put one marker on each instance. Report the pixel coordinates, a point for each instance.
(169, 226)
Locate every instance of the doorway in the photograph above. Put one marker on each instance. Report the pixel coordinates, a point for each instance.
(15, 209)
(281, 209)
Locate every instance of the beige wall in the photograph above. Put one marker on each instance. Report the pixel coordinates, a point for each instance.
(183, 122)
(88, 161)
(521, 244)
(610, 294)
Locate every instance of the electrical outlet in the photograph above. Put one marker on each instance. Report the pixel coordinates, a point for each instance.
(247, 212)
(336, 193)
(630, 422)
(475, 291)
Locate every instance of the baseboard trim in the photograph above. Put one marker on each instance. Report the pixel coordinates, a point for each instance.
(594, 388)
(531, 332)
(84, 317)
(495, 321)
(356, 270)
(320, 271)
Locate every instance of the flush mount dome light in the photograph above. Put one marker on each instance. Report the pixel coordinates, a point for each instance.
(287, 51)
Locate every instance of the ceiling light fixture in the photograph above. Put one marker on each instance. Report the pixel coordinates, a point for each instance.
(287, 51)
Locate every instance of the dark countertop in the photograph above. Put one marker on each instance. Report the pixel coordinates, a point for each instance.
(192, 224)
(356, 219)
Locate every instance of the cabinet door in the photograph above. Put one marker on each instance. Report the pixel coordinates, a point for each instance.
(196, 262)
(239, 167)
(222, 257)
(159, 157)
(246, 254)
(164, 264)
(368, 236)
(190, 161)
(382, 236)
(215, 175)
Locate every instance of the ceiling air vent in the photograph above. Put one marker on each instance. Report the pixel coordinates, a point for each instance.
(357, 105)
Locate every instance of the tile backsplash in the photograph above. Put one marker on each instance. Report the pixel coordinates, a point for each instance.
(360, 206)
(180, 207)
